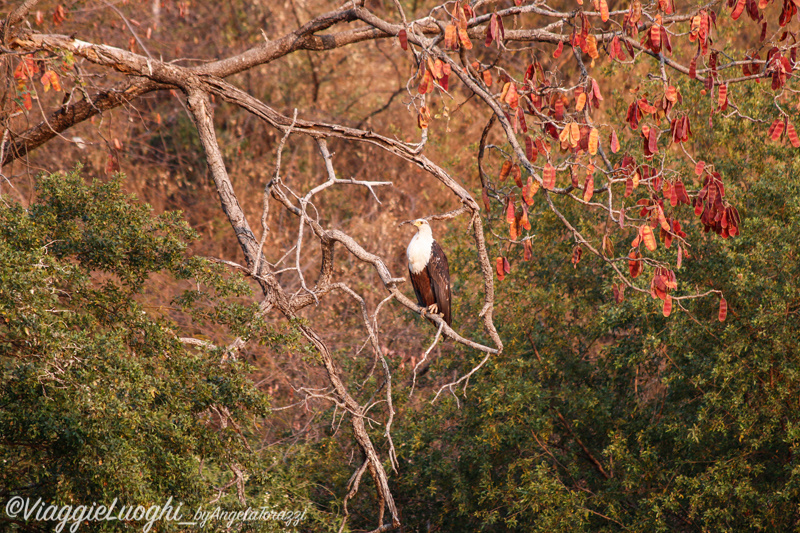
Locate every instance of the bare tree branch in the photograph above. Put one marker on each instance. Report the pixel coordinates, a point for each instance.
(14, 17)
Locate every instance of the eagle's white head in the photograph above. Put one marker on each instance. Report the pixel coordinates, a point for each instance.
(419, 250)
(423, 225)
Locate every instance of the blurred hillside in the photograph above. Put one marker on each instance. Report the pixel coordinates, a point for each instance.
(153, 141)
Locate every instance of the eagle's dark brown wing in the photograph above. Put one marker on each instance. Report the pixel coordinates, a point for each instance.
(439, 273)
(422, 287)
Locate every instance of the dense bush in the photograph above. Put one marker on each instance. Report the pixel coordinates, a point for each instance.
(602, 416)
(100, 400)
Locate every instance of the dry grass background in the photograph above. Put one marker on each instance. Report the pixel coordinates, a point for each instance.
(153, 142)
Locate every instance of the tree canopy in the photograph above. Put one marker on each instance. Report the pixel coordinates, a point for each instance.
(606, 416)
(100, 399)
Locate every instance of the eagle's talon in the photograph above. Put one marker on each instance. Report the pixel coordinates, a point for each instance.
(433, 309)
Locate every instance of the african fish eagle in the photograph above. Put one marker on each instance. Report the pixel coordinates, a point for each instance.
(429, 272)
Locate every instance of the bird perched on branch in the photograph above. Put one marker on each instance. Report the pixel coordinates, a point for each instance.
(429, 272)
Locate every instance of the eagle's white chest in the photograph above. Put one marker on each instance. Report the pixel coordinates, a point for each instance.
(419, 251)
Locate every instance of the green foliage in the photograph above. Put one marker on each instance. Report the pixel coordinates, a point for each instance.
(602, 416)
(100, 400)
